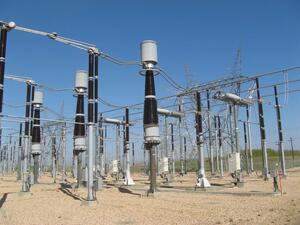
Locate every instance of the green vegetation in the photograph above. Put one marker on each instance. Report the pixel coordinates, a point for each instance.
(273, 158)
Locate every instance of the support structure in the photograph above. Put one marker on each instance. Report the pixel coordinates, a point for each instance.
(249, 138)
(181, 154)
(19, 171)
(54, 157)
(211, 154)
(202, 181)
(265, 170)
(246, 148)
(185, 158)
(220, 146)
(128, 180)
(216, 145)
(64, 149)
(280, 134)
(25, 170)
(172, 150)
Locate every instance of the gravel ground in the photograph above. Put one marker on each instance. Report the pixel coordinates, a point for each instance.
(56, 204)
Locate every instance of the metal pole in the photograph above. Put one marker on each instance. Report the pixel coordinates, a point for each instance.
(173, 149)
(101, 147)
(185, 159)
(118, 149)
(180, 139)
(265, 171)
(212, 168)
(236, 130)
(64, 152)
(145, 162)
(20, 162)
(246, 147)
(25, 184)
(220, 146)
(292, 148)
(231, 129)
(201, 181)
(249, 138)
(133, 163)
(280, 134)
(54, 153)
(152, 157)
(216, 144)
(166, 138)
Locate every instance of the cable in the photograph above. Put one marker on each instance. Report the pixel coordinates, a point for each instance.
(118, 61)
(168, 78)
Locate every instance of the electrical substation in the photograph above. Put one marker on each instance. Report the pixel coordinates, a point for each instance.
(202, 141)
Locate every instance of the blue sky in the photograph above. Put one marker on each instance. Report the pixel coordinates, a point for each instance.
(201, 34)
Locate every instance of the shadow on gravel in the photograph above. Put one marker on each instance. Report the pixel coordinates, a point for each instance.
(3, 199)
(64, 189)
(127, 191)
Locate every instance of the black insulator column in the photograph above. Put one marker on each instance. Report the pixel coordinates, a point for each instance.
(126, 130)
(27, 112)
(265, 170)
(3, 40)
(91, 89)
(96, 87)
(32, 108)
(36, 130)
(150, 103)
(79, 128)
